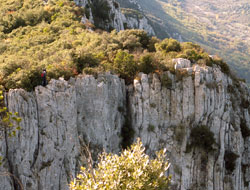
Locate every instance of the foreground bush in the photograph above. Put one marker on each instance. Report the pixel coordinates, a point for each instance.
(132, 170)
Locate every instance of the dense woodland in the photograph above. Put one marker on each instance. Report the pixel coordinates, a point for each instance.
(36, 35)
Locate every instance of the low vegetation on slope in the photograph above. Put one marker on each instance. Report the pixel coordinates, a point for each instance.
(36, 35)
(221, 28)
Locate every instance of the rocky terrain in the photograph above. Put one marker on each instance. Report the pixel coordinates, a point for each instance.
(107, 15)
(198, 113)
(106, 114)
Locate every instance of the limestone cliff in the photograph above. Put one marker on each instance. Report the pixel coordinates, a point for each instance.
(59, 119)
(134, 18)
(107, 15)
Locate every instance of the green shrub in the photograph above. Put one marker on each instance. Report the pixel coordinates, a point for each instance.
(146, 64)
(152, 42)
(26, 79)
(62, 69)
(192, 55)
(181, 55)
(168, 45)
(133, 40)
(91, 71)
(125, 65)
(83, 60)
(190, 45)
(224, 67)
(195, 54)
(9, 122)
(131, 170)
(230, 158)
(31, 78)
(202, 137)
(208, 60)
(151, 128)
(142, 37)
(11, 67)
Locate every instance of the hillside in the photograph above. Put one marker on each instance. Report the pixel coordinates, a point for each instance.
(108, 87)
(221, 27)
(37, 35)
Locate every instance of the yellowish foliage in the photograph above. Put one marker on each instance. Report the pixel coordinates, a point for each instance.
(10, 122)
(131, 170)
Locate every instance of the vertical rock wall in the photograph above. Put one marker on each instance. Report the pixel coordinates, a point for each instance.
(57, 121)
(112, 18)
(163, 117)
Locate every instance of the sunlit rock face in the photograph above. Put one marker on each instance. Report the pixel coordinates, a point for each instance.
(59, 120)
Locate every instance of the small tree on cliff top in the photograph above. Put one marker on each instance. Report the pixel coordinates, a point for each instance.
(133, 169)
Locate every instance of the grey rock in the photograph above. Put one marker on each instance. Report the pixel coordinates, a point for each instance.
(138, 23)
(181, 63)
(58, 121)
(115, 18)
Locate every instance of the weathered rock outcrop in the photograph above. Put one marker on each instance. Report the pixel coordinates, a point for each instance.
(134, 18)
(104, 14)
(56, 122)
(135, 21)
(59, 119)
(164, 117)
(107, 15)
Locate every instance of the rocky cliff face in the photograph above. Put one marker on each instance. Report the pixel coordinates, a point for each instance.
(164, 117)
(137, 21)
(107, 15)
(134, 18)
(57, 121)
